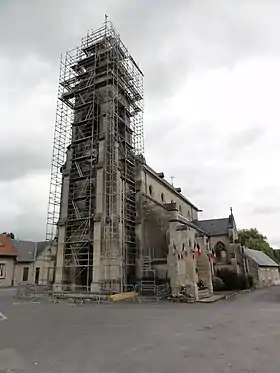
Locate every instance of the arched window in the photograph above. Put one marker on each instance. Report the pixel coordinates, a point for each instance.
(220, 251)
(188, 215)
(151, 191)
(180, 209)
(162, 197)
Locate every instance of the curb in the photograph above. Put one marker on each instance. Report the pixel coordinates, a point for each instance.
(225, 296)
(208, 301)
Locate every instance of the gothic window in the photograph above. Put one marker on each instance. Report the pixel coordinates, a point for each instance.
(180, 209)
(151, 191)
(162, 197)
(220, 251)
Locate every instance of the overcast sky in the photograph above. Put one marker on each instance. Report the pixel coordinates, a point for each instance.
(212, 93)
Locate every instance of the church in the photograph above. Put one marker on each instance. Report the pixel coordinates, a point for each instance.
(175, 243)
(118, 222)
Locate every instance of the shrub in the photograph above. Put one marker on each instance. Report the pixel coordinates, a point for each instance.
(251, 281)
(228, 277)
(242, 282)
(218, 284)
(232, 280)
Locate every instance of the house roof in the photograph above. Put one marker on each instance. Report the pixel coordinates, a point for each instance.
(28, 250)
(260, 258)
(6, 246)
(214, 226)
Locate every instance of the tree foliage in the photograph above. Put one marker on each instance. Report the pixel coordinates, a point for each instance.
(255, 240)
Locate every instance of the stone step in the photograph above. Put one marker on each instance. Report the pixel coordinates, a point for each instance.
(203, 294)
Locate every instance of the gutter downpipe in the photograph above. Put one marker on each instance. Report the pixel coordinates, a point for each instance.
(34, 259)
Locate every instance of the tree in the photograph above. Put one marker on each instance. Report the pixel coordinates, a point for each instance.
(255, 240)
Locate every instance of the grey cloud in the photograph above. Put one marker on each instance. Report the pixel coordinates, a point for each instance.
(19, 162)
(167, 40)
(266, 209)
(26, 225)
(275, 243)
(244, 138)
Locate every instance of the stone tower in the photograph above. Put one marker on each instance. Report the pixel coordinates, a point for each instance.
(92, 199)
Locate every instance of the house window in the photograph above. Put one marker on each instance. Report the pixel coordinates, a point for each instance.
(151, 191)
(2, 270)
(162, 197)
(25, 274)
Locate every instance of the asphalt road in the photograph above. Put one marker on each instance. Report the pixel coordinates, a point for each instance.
(236, 335)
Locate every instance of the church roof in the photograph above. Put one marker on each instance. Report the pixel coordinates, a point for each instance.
(214, 226)
(260, 258)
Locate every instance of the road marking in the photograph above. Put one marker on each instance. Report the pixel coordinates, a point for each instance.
(2, 317)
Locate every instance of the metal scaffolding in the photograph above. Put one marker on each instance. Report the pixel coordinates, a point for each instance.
(99, 125)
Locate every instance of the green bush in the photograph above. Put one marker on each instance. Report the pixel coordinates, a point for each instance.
(232, 280)
(242, 282)
(218, 284)
(229, 278)
(251, 281)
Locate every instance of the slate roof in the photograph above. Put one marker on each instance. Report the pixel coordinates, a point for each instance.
(6, 246)
(260, 258)
(214, 226)
(28, 250)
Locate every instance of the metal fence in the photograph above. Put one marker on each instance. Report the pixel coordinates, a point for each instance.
(152, 291)
(83, 294)
(33, 291)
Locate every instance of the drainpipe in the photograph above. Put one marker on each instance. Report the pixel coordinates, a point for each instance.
(34, 259)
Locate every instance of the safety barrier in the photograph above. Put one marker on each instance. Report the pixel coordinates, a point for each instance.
(33, 291)
(150, 290)
(76, 293)
(162, 292)
(82, 294)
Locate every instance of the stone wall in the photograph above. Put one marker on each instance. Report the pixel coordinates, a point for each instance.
(268, 276)
(186, 267)
(9, 263)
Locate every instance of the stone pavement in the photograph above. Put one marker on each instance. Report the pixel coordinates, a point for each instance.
(237, 335)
